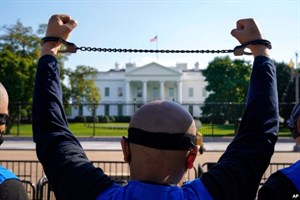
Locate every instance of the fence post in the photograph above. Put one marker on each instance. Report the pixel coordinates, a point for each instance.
(19, 118)
(212, 119)
(94, 116)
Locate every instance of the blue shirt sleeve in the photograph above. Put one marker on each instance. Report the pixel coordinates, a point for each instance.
(239, 170)
(66, 166)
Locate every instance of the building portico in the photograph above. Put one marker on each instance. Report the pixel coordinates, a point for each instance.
(152, 82)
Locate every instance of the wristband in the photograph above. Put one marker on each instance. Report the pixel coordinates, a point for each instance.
(239, 50)
(52, 39)
(69, 47)
(267, 43)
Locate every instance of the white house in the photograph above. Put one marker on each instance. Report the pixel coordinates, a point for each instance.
(124, 90)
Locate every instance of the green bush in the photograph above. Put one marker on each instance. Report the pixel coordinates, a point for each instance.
(122, 119)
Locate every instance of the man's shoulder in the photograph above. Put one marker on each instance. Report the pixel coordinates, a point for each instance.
(6, 174)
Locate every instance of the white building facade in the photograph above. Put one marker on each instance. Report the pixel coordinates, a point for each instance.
(124, 90)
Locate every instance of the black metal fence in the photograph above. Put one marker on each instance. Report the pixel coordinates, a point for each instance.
(32, 175)
(37, 187)
(216, 118)
(273, 167)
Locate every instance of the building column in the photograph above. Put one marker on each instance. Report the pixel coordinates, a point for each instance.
(127, 91)
(127, 96)
(179, 89)
(162, 90)
(144, 92)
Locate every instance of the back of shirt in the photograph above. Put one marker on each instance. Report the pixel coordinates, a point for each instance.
(193, 190)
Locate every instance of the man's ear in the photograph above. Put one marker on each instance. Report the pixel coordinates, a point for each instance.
(126, 150)
(192, 157)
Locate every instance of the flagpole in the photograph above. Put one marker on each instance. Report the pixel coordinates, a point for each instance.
(155, 39)
(156, 47)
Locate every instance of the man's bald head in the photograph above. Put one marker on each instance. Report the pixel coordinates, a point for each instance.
(162, 138)
(3, 100)
(3, 108)
(163, 116)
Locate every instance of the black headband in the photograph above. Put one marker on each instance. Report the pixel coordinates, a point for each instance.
(165, 141)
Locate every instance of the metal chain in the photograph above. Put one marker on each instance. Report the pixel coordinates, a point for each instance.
(83, 48)
(237, 51)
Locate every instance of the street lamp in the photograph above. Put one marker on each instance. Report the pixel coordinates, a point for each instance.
(295, 74)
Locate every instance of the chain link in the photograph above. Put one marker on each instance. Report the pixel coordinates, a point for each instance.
(83, 48)
(237, 51)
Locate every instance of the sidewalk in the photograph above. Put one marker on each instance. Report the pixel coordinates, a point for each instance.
(113, 143)
(117, 138)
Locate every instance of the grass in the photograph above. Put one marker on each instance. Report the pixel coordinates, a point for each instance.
(228, 130)
(80, 129)
(120, 129)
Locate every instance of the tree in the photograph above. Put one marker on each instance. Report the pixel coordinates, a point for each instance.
(19, 54)
(227, 83)
(18, 59)
(283, 81)
(286, 89)
(83, 88)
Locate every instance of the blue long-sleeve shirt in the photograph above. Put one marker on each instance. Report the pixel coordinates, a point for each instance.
(236, 176)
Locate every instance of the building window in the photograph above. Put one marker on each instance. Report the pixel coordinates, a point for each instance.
(120, 110)
(120, 92)
(139, 92)
(106, 92)
(191, 92)
(171, 92)
(155, 92)
(106, 110)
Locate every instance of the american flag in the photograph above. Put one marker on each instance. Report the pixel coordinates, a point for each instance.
(153, 39)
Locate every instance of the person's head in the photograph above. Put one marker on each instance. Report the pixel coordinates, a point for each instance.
(3, 110)
(161, 142)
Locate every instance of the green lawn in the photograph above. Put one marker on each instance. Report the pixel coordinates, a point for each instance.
(120, 129)
(81, 129)
(228, 130)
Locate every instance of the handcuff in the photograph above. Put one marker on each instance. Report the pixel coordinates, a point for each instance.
(239, 50)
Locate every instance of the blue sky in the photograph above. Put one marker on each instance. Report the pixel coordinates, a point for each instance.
(185, 24)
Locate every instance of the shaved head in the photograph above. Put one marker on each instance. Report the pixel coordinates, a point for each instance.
(3, 100)
(162, 138)
(163, 116)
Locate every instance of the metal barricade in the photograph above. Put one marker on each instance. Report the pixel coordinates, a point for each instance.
(31, 173)
(117, 170)
(273, 167)
(30, 189)
(26, 170)
(44, 191)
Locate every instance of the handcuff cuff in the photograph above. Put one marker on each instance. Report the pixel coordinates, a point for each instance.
(237, 51)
